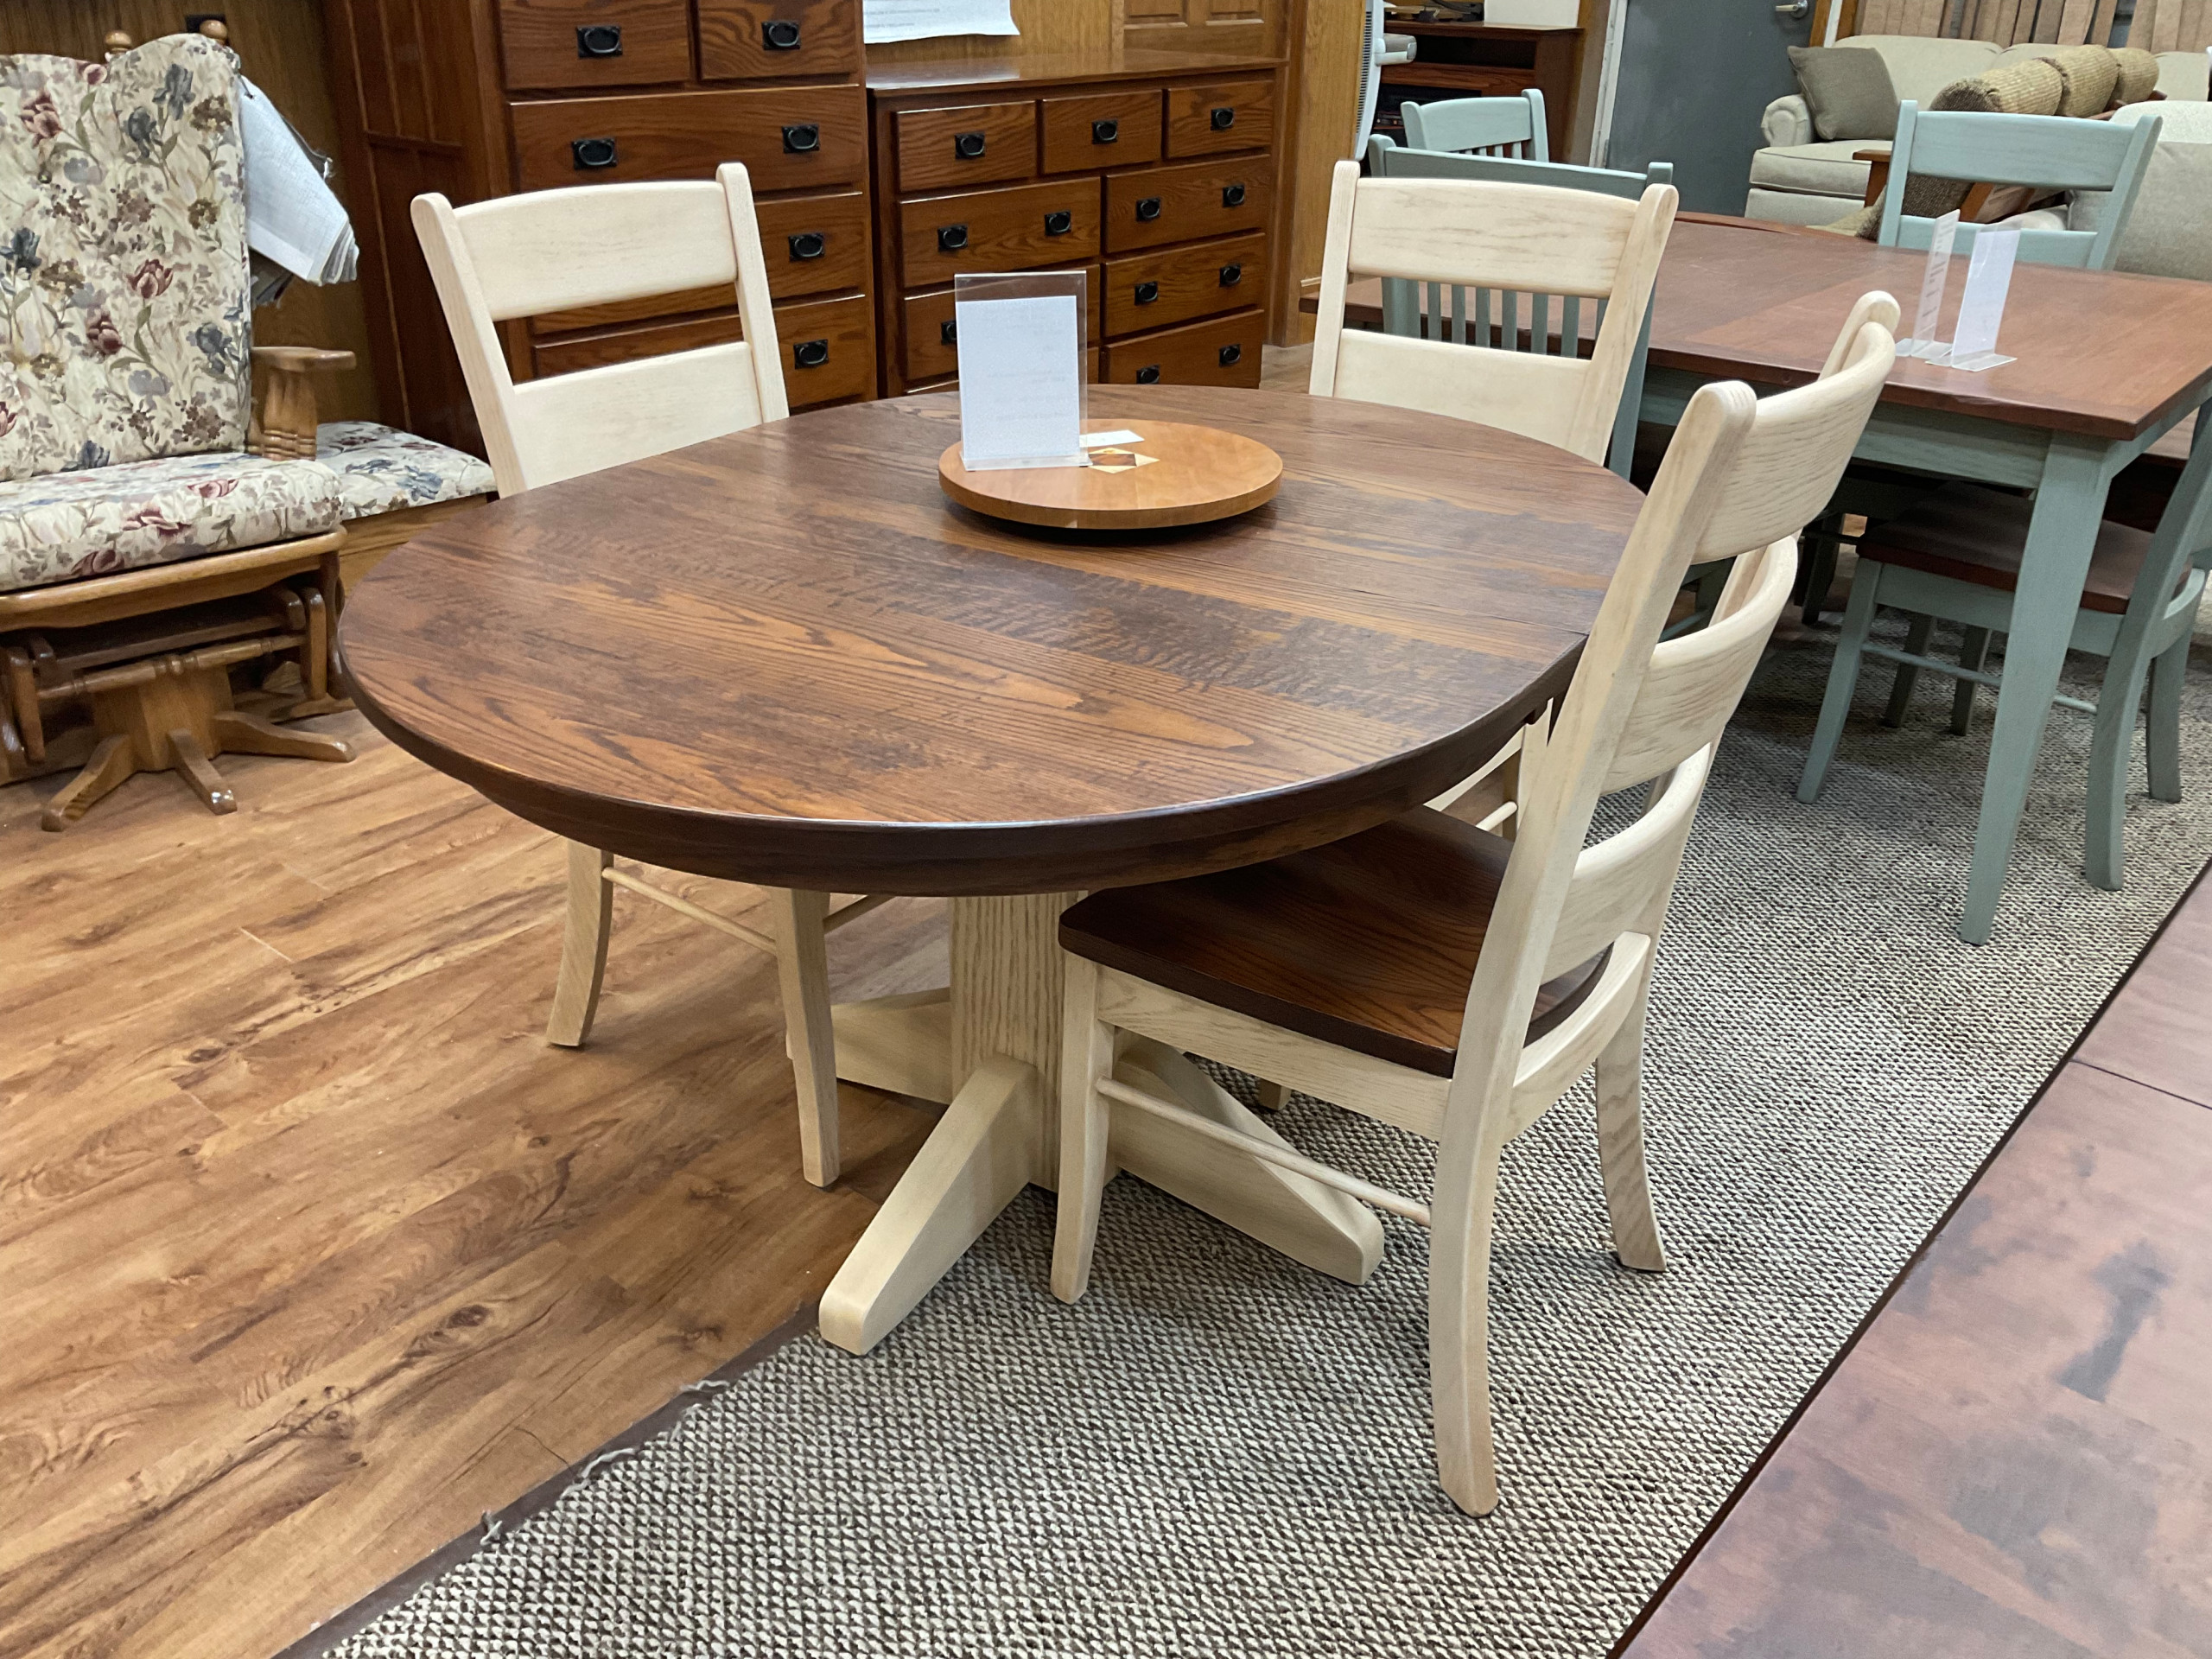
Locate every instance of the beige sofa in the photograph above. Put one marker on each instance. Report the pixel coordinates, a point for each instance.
(1798, 179)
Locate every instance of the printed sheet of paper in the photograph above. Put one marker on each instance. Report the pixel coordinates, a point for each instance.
(1020, 383)
(1923, 342)
(1981, 309)
(883, 21)
(292, 216)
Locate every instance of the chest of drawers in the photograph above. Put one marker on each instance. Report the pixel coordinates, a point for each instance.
(1154, 171)
(487, 98)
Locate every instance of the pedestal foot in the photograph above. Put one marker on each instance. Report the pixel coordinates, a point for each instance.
(112, 762)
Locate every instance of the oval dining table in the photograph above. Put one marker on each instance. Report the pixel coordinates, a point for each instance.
(784, 657)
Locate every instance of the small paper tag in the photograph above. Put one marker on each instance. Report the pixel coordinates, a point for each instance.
(1120, 461)
(1100, 440)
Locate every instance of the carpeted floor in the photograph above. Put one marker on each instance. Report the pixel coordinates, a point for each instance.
(1220, 1453)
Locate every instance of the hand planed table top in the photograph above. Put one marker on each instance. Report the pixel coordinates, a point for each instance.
(784, 657)
(2106, 354)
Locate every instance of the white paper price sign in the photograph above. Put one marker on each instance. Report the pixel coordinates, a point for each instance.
(1923, 342)
(1981, 309)
(1020, 342)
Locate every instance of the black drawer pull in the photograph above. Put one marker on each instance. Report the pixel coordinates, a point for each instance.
(808, 244)
(1231, 355)
(780, 34)
(1232, 195)
(1059, 224)
(802, 139)
(1105, 132)
(967, 146)
(811, 354)
(592, 154)
(1223, 119)
(950, 239)
(1147, 209)
(948, 333)
(599, 41)
(1147, 292)
(1148, 375)
(1231, 274)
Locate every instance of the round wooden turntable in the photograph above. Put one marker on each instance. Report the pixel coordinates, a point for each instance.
(1178, 476)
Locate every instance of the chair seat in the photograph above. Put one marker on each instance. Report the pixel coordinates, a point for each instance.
(58, 527)
(382, 469)
(1971, 533)
(1370, 943)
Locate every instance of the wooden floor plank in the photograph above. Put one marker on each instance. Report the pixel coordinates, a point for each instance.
(315, 1251)
(2154, 1032)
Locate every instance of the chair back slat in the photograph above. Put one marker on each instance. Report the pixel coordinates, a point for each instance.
(549, 250)
(2048, 151)
(1497, 127)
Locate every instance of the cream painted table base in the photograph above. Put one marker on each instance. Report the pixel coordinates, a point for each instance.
(997, 1029)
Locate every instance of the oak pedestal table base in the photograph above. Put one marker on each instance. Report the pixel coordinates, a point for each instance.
(858, 686)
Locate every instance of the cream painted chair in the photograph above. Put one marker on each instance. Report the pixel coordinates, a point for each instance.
(1436, 978)
(554, 249)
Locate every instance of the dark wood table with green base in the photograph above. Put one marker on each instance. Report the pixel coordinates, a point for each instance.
(784, 657)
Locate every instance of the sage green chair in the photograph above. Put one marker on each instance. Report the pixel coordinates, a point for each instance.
(2053, 152)
(1500, 128)
(1955, 558)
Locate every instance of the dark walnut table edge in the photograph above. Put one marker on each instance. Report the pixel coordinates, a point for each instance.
(971, 860)
(1623, 1648)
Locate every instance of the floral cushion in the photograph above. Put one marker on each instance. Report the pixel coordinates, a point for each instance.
(122, 274)
(381, 469)
(61, 526)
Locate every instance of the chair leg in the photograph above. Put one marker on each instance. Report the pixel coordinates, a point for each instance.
(1620, 1144)
(1459, 1323)
(583, 947)
(1974, 654)
(1820, 567)
(1843, 680)
(1916, 641)
(803, 975)
(2162, 740)
(1086, 1117)
(112, 762)
(2113, 746)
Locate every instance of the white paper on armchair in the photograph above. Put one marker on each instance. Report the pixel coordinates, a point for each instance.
(292, 216)
(885, 21)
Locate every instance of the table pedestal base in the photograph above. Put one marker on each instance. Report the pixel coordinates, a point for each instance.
(1000, 1131)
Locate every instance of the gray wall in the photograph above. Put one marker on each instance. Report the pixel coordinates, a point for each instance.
(1694, 75)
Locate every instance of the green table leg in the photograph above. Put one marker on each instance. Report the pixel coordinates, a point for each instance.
(2053, 569)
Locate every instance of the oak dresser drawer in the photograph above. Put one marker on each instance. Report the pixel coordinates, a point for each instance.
(1222, 352)
(762, 40)
(973, 143)
(1113, 129)
(931, 349)
(587, 43)
(1156, 291)
(1228, 115)
(1017, 229)
(826, 347)
(1177, 204)
(789, 139)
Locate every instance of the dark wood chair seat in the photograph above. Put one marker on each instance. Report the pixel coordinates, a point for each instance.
(1970, 533)
(1369, 943)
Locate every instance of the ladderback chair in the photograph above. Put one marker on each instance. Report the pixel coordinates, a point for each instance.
(1435, 978)
(2051, 152)
(1502, 242)
(1501, 127)
(553, 249)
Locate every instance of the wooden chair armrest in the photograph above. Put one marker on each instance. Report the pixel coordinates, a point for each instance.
(285, 430)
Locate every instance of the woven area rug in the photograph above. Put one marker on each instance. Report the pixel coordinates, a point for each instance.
(1221, 1453)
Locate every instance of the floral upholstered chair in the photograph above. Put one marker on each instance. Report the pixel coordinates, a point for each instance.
(154, 536)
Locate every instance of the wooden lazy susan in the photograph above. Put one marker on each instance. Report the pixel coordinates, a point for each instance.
(1176, 475)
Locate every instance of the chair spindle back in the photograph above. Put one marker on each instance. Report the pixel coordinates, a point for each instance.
(1504, 128)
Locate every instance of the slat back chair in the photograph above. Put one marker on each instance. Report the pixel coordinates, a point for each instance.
(553, 250)
(2054, 152)
(1405, 311)
(1501, 127)
(1561, 942)
(1501, 241)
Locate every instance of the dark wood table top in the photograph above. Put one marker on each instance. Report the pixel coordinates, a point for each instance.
(2013, 1460)
(784, 657)
(2106, 354)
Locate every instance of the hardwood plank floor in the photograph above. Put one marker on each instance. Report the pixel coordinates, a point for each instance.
(311, 1250)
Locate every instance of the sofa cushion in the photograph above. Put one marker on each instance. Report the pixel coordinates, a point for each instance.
(2185, 75)
(382, 469)
(1848, 92)
(2169, 233)
(2136, 77)
(62, 526)
(1824, 169)
(2091, 74)
(123, 276)
(1920, 66)
(2027, 86)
